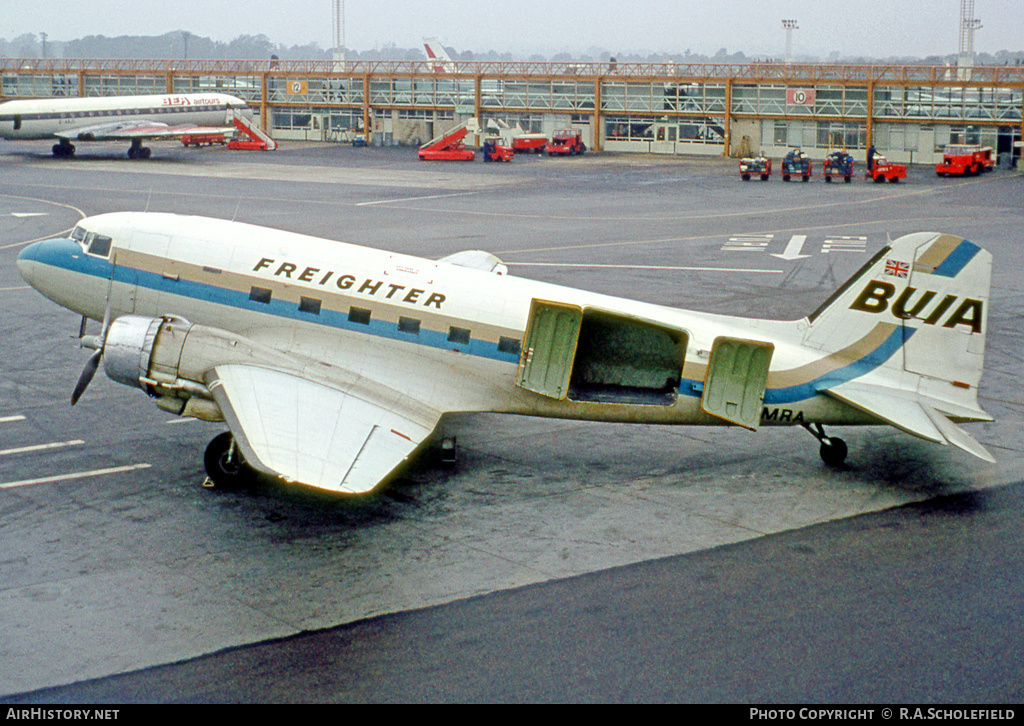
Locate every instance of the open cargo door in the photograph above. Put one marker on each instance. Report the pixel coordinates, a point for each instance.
(549, 348)
(736, 379)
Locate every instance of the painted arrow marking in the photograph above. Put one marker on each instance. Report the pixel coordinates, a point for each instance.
(792, 251)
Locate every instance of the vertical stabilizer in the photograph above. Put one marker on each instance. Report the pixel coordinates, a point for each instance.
(910, 329)
(440, 61)
(926, 297)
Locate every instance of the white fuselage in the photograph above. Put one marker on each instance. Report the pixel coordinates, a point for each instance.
(448, 335)
(46, 118)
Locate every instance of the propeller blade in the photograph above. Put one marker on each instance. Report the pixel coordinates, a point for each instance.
(86, 377)
(106, 324)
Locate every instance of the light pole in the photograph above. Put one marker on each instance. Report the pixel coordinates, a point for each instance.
(339, 30)
(790, 26)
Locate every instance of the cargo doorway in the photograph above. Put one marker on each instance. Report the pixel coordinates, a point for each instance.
(597, 356)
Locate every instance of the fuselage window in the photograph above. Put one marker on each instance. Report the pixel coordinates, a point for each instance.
(260, 294)
(409, 325)
(99, 246)
(458, 335)
(309, 305)
(359, 315)
(509, 345)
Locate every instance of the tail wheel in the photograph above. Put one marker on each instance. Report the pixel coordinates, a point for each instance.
(833, 451)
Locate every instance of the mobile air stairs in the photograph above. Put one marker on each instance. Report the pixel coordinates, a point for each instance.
(254, 137)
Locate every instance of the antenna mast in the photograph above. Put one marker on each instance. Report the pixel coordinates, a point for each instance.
(968, 24)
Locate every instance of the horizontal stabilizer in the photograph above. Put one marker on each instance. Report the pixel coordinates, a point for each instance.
(910, 412)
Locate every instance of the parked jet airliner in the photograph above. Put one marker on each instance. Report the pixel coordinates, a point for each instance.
(332, 363)
(117, 118)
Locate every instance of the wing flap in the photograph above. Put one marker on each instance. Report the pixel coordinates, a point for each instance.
(307, 432)
(910, 412)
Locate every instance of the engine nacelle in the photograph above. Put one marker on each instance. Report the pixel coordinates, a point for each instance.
(129, 349)
(145, 353)
(169, 358)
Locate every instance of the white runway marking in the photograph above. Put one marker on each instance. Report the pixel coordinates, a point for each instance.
(10, 419)
(414, 199)
(41, 447)
(73, 475)
(646, 267)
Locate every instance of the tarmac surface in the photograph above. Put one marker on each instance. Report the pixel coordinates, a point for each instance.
(559, 560)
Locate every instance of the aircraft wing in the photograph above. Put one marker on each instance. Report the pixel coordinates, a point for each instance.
(917, 414)
(307, 432)
(129, 129)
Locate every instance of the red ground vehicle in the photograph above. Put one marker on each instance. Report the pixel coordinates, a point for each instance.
(881, 170)
(565, 142)
(758, 165)
(203, 139)
(449, 146)
(529, 142)
(965, 159)
(252, 136)
(493, 150)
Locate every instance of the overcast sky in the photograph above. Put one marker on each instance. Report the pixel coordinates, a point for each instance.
(877, 28)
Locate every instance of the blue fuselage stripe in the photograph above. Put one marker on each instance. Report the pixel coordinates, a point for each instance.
(804, 391)
(102, 269)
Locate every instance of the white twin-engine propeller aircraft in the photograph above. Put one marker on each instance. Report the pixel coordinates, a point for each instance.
(120, 118)
(332, 363)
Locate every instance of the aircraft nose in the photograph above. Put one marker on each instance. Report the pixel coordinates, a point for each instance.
(51, 252)
(27, 260)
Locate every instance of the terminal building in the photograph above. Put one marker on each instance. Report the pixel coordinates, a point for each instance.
(908, 113)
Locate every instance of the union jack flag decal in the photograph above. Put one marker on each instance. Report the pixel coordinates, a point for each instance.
(899, 269)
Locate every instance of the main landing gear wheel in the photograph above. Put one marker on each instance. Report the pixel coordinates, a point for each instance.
(64, 150)
(224, 463)
(833, 450)
(138, 151)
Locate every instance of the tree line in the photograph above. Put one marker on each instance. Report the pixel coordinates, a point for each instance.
(184, 44)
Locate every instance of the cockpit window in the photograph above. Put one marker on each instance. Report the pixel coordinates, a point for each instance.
(99, 246)
(78, 234)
